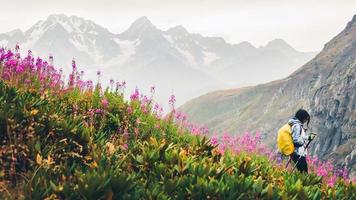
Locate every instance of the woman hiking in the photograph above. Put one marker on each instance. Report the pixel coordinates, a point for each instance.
(299, 125)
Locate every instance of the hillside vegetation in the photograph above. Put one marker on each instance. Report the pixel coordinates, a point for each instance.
(74, 140)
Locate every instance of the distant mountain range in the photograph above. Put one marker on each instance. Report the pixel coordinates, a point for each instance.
(175, 61)
(325, 86)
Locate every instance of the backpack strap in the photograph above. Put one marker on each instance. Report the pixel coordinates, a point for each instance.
(300, 133)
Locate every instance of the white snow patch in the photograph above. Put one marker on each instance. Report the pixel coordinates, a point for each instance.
(78, 42)
(86, 45)
(34, 36)
(169, 38)
(37, 32)
(93, 32)
(127, 48)
(69, 28)
(188, 56)
(76, 24)
(209, 57)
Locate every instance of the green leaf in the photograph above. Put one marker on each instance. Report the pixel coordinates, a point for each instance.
(38, 146)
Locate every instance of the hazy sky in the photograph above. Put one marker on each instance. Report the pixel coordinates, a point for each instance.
(305, 24)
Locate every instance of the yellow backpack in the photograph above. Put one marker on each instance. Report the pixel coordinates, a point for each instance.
(285, 141)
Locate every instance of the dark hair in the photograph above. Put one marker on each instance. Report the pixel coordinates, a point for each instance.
(302, 115)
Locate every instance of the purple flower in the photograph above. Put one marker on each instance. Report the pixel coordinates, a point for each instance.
(135, 95)
(104, 102)
(20, 68)
(17, 47)
(156, 106)
(172, 100)
(153, 89)
(74, 65)
(125, 134)
(214, 140)
(129, 109)
(50, 59)
(98, 111)
(8, 55)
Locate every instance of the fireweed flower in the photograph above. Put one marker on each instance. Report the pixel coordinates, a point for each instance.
(152, 89)
(135, 95)
(74, 66)
(27, 81)
(178, 115)
(123, 84)
(129, 109)
(17, 48)
(91, 112)
(126, 134)
(172, 100)
(157, 110)
(111, 84)
(104, 102)
(214, 140)
(39, 64)
(20, 68)
(125, 146)
(156, 107)
(6, 55)
(98, 111)
(145, 103)
(50, 58)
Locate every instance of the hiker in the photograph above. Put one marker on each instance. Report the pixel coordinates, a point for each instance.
(293, 140)
(299, 125)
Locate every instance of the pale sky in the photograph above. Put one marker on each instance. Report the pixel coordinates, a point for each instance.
(305, 24)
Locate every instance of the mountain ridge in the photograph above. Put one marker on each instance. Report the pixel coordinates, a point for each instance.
(149, 53)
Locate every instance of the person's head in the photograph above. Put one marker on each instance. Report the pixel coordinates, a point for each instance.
(303, 116)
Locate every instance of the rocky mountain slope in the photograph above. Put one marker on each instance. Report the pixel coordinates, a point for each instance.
(325, 86)
(174, 60)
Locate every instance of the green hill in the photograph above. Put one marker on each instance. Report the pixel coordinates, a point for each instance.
(74, 140)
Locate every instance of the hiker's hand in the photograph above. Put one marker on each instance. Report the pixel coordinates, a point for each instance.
(311, 136)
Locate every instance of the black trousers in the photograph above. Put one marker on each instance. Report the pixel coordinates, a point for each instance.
(302, 165)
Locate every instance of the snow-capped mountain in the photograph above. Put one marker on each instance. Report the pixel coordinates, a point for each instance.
(174, 60)
(66, 38)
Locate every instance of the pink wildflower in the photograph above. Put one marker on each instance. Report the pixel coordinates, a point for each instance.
(214, 140)
(135, 95)
(129, 109)
(104, 102)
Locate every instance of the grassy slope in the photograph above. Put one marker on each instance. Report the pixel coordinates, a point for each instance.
(52, 147)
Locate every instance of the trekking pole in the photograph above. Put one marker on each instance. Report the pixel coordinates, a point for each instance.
(290, 158)
(306, 147)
